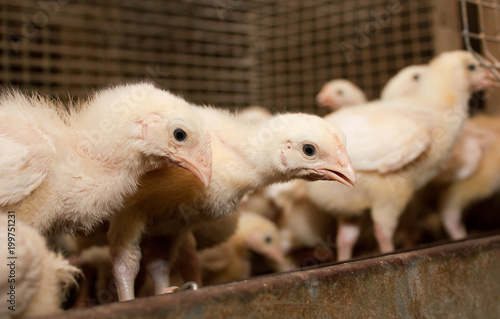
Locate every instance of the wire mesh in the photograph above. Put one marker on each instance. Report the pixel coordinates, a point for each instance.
(227, 53)
(481, 31)
(303, 44)
(192, 47)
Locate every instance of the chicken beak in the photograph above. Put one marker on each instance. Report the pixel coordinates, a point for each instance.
(276, 255)
(343, 174)
(200, 166)
(342, 171)
(487, 79)
(326, 101)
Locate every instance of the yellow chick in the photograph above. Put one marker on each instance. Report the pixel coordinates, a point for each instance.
(230, 261)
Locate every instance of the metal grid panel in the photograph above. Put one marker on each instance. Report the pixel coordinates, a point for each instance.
(222, 52)
(306, 43)
(481, 31)
(62, 46)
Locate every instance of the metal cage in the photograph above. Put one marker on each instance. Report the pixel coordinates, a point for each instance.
(481, 31)
(228, 53)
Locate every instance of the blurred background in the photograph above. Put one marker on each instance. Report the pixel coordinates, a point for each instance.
(228, 53)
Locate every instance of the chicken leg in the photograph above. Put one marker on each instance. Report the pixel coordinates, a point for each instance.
(158, 261)
(451, 217)
(125, 251)
(385, 219)
(347, 236)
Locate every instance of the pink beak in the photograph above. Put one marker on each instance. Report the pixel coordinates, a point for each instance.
(326, 101)
(486, 80)
(343, 174)
(199, 170)
(342, 171)
(276, 254)
(200, 166)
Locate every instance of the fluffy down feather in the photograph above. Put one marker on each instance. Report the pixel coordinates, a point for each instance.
(219, 230)
(42, 277)
(71, 171)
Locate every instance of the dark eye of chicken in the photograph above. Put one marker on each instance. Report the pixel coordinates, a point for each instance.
(268, 240)
(340, 92)
(180, 135)
(416, 77)
(309, 150)
(471, 67)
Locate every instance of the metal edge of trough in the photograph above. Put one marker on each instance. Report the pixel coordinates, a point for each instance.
(453, 280)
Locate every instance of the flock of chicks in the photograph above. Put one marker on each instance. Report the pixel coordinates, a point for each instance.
(155, 191)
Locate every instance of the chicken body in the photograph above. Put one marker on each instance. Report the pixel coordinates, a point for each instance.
(246, 155)
(301, 224)
(229, 261)
(397, 146)
(466, 155)
(71, 171)
(476, 181)
(35, 279)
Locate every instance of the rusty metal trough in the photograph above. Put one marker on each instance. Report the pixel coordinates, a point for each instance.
(453, 280)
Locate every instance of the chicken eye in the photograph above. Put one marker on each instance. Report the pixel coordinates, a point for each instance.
(416, 77)
(309, 150)
(180, 135)
(268, 240)
(471, 67)
(340, 92)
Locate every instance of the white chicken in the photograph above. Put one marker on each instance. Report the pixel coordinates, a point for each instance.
(339, 93)
(404, 83)
(246, 155)
(71, 171)
(397, 146)
(34, 279)
(465, 159)
(466, 156)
